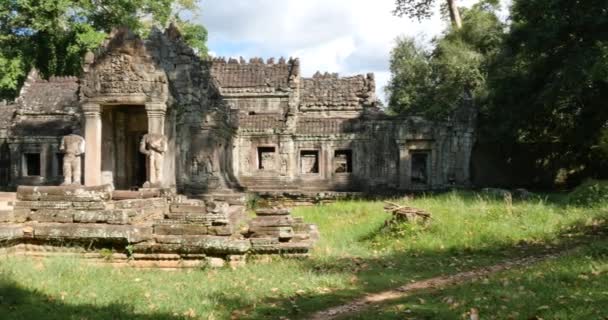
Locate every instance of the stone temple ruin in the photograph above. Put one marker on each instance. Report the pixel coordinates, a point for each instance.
(167, 144)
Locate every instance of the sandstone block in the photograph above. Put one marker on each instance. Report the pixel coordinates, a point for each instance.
(43, 204)
(272, 212)
(90, 231)
(187, 208)
(280, 232)
(64, 193)
(52, 215)
(180, 229)
(271, 221)
(220, 230)
(102, 216)
(10, 232)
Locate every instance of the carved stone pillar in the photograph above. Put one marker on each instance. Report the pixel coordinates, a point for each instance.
(156, 117)
(92, 137)
(404, 166)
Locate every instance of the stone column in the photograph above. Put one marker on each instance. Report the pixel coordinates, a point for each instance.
(404, 166)
(92, 137)
(156, 117)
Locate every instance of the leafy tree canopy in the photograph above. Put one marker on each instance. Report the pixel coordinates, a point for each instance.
(52, 35)
(433, 83)
(549, 84)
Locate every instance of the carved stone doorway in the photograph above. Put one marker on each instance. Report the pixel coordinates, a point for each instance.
(122, 129)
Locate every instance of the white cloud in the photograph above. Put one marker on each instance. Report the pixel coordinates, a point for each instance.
(345, 36)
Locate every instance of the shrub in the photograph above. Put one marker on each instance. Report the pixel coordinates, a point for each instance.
(589, 193)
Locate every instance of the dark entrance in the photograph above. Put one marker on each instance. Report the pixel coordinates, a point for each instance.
(123, 128)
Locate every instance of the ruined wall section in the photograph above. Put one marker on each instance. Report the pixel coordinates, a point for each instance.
(45, 111)
(330, 95)
(201, 121)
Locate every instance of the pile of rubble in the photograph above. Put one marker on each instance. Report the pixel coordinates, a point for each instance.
(275, 231)
(153, 227)
(406, 214)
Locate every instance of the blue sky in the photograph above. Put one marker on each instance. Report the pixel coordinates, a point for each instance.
(344, 36)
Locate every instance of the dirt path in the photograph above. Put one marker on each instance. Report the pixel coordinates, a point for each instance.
(430, 284)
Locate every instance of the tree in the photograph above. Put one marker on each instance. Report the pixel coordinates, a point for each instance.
(53, 35)
(434, 83)
(423, 9)
(549, 86)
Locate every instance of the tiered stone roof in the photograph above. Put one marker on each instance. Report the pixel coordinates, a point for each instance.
(261, 122)
(330, 92)
(55, 95)
(328, 126)
(238, 74)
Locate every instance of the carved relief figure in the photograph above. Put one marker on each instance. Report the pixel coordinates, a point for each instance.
(72, 146)
(154, 147)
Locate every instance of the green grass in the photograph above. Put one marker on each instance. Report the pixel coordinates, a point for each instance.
(355, 255)
(574, 286)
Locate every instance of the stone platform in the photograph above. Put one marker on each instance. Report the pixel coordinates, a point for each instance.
(155, 227)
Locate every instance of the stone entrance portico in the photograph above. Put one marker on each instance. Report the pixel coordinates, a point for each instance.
(96, 142)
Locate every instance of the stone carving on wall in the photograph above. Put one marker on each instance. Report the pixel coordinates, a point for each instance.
(124, 68)
(73, 147)
(154, 147)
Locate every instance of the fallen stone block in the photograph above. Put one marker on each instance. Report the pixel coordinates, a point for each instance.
(43, 205)
(52, 215)
(187, 208)
(11, 232)
(180, 229)
(64, 193)
(272, 212)
(6, 216)
(91, 231)
(279, 232)
(140, 194)
(102, 216)
(271, 221)
(89, 205)
(225, 230)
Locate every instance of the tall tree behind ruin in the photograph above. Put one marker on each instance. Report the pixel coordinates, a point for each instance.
(52, 35)
(549, 86)
(432, 83)
(422, 9)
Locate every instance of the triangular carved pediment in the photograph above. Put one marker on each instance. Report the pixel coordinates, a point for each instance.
(123, 67)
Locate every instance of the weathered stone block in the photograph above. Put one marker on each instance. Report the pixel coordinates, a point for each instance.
(280, 232)
(271, 221)
(225, 230)
(64, 193)
(52, 215)
(102, 216)
(187, 208)
(6, 216)
(180, 229)
(90, 231)
(272, 212)
(43, 204)
(89, 205)
(10, 232)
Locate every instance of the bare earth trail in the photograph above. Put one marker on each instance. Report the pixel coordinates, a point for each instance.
(435, 283)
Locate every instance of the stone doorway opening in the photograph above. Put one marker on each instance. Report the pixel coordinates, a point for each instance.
(123, 127)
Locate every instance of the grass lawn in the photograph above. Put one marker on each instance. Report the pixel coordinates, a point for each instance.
(355, 255)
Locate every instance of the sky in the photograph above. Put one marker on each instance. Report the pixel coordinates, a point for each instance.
(344, 36)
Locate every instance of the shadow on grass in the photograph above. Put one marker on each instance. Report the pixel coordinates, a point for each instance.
(386, 272)
(19, 303)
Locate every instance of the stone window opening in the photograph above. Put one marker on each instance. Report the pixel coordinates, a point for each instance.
(309, 161)
(31, 163)
(343, 161)
(420, 167)
(266, 158)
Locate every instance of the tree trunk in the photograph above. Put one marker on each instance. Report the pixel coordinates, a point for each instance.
(454, 14)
